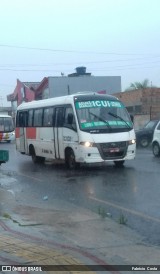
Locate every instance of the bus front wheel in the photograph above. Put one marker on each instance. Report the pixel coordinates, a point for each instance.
(70, 160)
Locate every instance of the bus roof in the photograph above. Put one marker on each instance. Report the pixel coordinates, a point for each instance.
(68, 99)
(5, 116)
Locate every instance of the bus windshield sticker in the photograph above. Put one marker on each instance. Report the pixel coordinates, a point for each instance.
(100, 123)
(98, 103)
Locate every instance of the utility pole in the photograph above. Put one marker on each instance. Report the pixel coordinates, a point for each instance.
(1, 99)
(68, 90)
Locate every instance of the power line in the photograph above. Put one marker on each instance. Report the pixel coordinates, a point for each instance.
(84, 62)
(93, 69)
(129, 68)
(75, 63)
(74, 51)
(4, 68)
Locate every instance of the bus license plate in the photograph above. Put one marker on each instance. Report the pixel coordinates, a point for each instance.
(115, 149)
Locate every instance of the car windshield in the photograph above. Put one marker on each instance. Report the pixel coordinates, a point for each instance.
(6, 124)
(150, 124)
(103, 115)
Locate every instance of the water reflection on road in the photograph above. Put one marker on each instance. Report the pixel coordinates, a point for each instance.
(132, 191)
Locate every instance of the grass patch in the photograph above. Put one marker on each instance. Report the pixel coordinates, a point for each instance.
(122, 220)
(103, 213)
(7, 216)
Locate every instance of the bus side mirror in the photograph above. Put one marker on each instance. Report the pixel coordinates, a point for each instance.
(70, 118)
(132, 118)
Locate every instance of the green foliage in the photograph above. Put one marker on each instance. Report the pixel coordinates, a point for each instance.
(102, 212)
(139, 85)
(122, 220)
(7, 216)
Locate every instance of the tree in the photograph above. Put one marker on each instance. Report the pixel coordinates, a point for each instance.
(139, 85)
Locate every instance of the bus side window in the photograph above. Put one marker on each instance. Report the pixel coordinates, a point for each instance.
(37, 122)
(54, 117)
(69, 119)
(22, 119)
(48, 117)
(59, 116)
(30, 118)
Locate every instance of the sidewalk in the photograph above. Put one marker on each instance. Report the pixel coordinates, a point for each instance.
(32, 236)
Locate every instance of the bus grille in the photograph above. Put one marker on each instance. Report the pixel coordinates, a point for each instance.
(113, 150)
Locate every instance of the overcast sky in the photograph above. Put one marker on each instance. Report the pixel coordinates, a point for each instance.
(40, 38)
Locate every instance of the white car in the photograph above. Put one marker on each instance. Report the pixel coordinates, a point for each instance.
(156, 141)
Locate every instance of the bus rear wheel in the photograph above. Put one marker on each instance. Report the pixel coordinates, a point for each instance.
(70, 160)
(36, 159)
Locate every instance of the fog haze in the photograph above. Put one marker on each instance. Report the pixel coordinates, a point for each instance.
(109, 37)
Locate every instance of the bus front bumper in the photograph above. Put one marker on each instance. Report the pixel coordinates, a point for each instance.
(92, 155)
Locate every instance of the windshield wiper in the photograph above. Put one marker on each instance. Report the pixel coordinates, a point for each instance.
(100, 119)
(119, 117)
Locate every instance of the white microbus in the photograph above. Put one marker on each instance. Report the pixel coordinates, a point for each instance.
(79, 128)
(6, 128)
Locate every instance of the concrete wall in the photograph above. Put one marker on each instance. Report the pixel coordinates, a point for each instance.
(59, 86)
(148, 99)
(130, 98)
(151, 101)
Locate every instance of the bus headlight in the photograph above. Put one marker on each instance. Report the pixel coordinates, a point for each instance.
(132, 142)
(87, 144)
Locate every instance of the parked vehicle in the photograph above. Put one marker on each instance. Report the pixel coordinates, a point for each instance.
(144, 135)
(156, 141)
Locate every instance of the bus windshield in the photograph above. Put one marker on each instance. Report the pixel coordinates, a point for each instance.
(6, 124)
(103, 116)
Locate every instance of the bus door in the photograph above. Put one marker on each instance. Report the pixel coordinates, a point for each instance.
(58, 133)
(22, 125)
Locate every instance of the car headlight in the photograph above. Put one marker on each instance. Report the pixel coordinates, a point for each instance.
(132, 142)
(87, 144)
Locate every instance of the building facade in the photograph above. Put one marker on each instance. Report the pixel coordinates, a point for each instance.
(51, 87)
(143, 104)
(59, 86)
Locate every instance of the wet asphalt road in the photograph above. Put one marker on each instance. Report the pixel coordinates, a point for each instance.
(130, 194)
